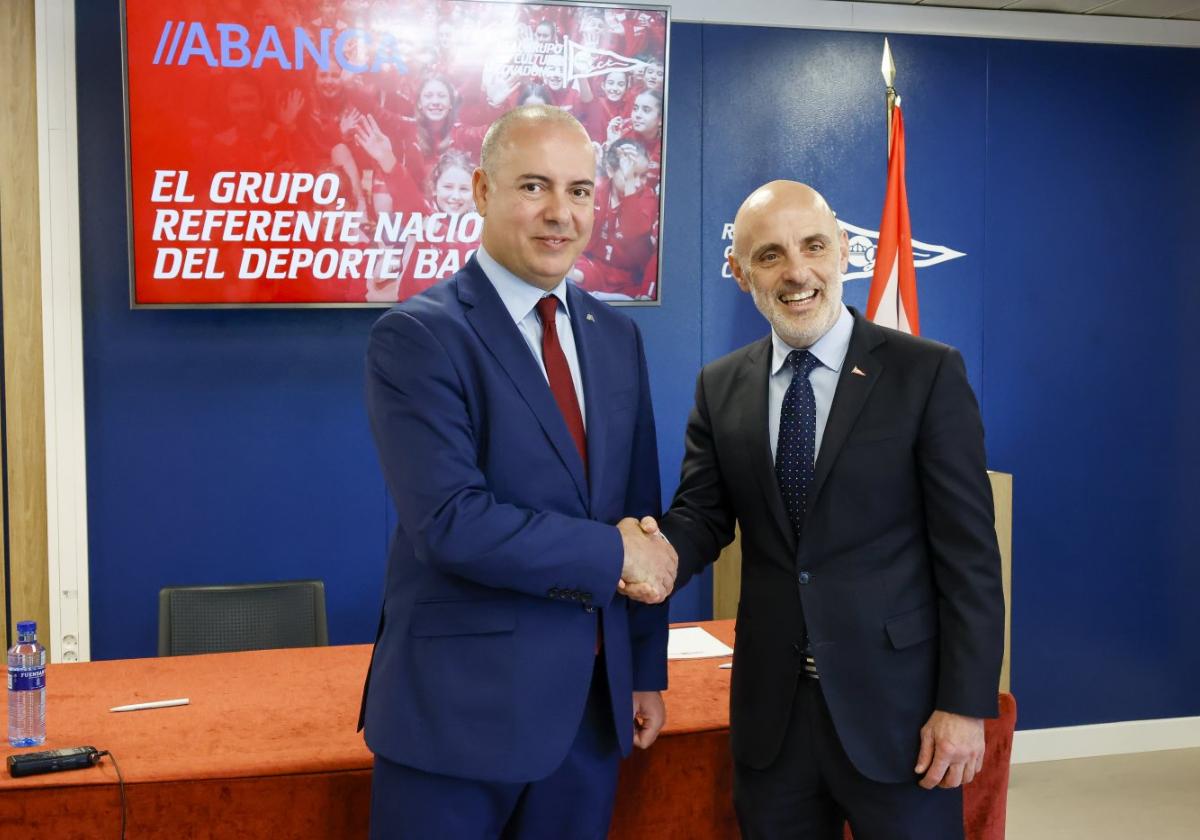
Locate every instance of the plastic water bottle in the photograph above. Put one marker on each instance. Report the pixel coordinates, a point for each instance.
(26, 688)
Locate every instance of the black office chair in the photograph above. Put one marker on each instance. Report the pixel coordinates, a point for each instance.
(248, 616)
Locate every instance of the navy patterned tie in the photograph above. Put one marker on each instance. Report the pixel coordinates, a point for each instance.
(795, 451)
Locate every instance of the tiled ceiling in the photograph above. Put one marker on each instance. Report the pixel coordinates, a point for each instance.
(1167, 9)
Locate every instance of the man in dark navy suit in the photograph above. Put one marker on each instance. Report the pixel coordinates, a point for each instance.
(870, 626)
(513, 420)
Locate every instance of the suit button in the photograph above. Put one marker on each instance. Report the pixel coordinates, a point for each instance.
(805, 577)
(588, 608)
(796, 650)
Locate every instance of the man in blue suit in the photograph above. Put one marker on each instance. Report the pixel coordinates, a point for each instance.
(513, 420)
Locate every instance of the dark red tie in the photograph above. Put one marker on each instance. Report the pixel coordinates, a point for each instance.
(561, 384)
(563, 388)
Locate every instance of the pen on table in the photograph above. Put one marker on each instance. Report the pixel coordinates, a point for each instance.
(157, 704)
(725, 665)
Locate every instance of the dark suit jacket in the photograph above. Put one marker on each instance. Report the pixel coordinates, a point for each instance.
(504, 551)
(897, 571)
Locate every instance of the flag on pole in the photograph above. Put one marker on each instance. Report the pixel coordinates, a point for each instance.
(893, 298)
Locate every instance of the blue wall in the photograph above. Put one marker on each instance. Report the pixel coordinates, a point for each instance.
(232, 445)
(1091, 377)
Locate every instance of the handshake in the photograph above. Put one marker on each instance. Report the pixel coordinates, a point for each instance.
(651, 564)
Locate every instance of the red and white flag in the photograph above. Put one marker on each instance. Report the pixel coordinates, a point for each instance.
(893, 298)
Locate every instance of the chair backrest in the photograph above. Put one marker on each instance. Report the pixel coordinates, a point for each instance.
(248, 616)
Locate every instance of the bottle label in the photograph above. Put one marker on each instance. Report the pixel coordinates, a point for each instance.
(26, 679)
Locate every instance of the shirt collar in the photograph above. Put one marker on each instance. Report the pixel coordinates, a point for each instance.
(830, 349)
(518, 297)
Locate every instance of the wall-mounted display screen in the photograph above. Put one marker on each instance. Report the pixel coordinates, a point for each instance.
(317, 152)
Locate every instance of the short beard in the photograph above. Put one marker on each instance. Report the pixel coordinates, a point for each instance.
(797, 335)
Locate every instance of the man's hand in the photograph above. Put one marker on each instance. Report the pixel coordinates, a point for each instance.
(648, 574)
(649, 525)
(649, 715)
(951, 750)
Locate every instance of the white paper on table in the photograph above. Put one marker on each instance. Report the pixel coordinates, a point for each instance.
(694, 643)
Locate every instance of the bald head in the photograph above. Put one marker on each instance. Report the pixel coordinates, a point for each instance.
(772, 197)
(515, 123)
(535, 188)
(789, 254)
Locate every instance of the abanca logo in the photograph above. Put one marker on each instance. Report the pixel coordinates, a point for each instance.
(354, 50)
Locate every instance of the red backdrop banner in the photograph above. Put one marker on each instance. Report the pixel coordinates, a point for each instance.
(292, 152)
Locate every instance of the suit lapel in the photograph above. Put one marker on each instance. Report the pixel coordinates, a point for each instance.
(590, 350)
(752, 403)
(487, 316)
(849, 398)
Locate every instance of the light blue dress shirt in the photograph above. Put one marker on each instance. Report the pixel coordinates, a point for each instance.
(830, 350)
(521, 299)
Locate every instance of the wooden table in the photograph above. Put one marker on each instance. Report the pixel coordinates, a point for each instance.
(268, 749)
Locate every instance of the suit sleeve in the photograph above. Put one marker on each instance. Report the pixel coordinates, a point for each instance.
(701, 519)
(643, 497)
(960, 528)
(419, 418)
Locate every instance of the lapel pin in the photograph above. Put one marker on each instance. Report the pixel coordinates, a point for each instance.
(590, 317)
(857, 371)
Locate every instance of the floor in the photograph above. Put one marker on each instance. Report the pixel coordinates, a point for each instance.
(1147, 796)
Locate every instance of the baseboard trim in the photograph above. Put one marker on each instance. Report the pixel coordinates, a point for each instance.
(1128, 736)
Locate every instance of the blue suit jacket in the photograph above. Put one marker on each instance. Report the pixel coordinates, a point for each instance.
(505, 554)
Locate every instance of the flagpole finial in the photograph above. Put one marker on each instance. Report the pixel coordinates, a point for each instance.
(888, 66)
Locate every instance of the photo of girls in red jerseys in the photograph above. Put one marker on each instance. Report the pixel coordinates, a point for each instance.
(320, 152)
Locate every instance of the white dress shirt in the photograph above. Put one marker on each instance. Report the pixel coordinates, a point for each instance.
(521, 299)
